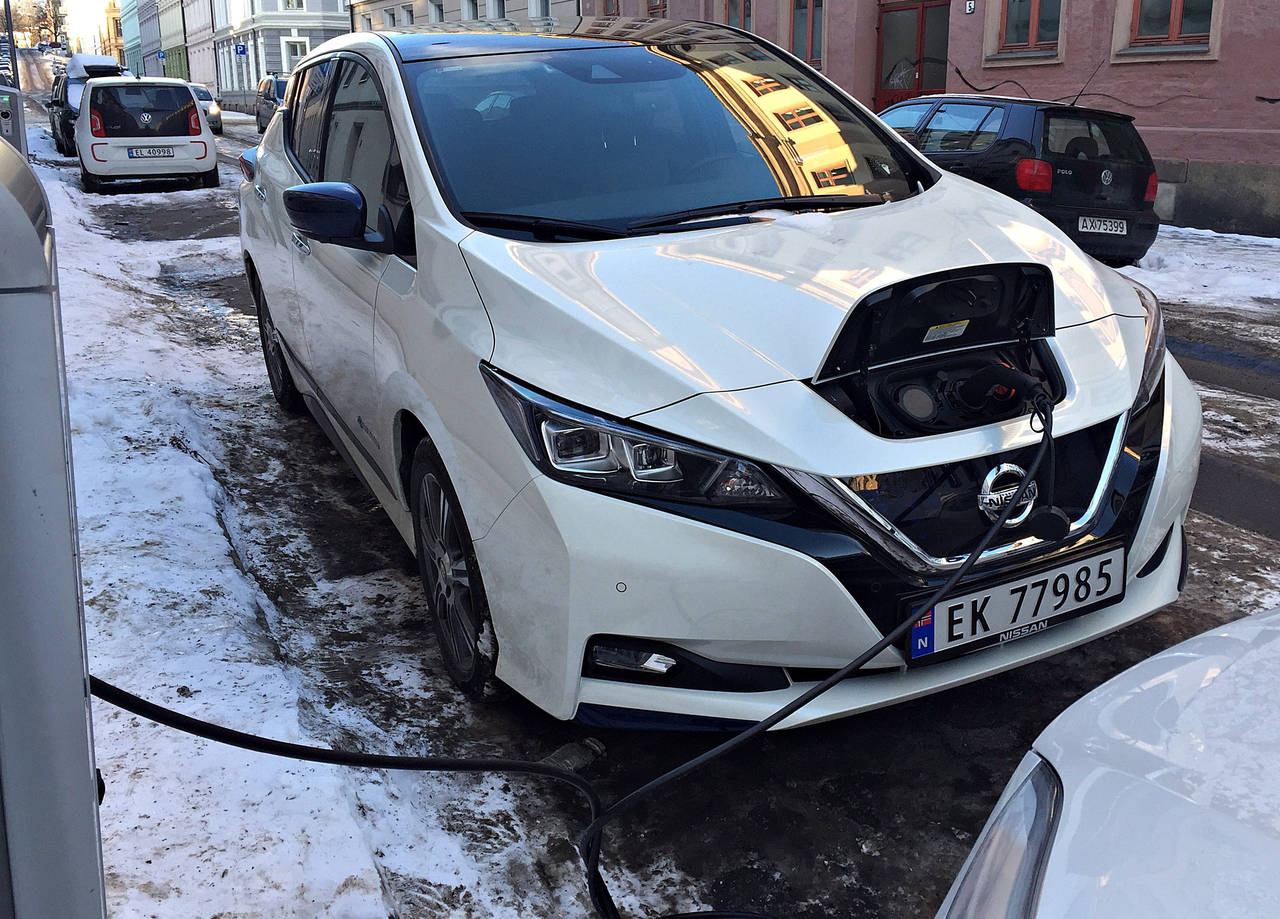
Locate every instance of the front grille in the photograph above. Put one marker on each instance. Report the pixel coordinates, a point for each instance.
(878, 584)
(936, 507)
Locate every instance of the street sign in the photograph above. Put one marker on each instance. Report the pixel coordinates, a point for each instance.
(160, 55)
(242, 49)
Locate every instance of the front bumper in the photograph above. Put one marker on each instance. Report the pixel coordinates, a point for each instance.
(562, 565)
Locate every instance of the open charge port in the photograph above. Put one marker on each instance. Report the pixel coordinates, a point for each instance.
(925, 356)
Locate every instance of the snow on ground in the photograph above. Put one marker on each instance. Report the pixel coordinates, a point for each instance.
(201, 599)
(1206, 268)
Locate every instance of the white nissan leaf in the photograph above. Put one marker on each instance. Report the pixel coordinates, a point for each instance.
(688, 381)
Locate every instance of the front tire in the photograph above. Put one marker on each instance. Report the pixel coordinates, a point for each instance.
(283, 388)
(451, 579)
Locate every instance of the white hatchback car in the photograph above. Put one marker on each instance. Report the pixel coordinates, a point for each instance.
(1156, 796)
(687, 380)
(139, 128)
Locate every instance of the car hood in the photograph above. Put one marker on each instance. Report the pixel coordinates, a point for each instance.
(626, 326)
(1171, 784)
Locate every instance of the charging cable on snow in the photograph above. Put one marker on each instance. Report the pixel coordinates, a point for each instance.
(560, 766)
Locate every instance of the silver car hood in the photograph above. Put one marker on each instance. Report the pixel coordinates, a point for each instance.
(626, 326)
(1171, 774)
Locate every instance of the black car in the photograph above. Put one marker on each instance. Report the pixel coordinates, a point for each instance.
(270, 97)
(68, 88)
(1084, 169)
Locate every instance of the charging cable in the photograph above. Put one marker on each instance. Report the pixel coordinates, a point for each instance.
(591, 841)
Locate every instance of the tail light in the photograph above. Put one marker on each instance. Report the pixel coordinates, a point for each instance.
(95, 124)
(1035, 175)
(193, 121)
(1153, 185)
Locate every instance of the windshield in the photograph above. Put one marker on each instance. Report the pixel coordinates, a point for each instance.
(202, 94)
(143, 109)
(615, 135)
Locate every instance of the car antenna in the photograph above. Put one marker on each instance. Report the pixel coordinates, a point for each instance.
(1090, 80)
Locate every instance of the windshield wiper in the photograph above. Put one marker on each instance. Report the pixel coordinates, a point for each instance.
(796, 203)
(547, 228)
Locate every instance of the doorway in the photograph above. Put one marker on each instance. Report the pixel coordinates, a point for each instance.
(911, 57)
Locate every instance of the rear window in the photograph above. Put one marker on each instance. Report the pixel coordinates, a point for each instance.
(1093, 137)
(142, 110)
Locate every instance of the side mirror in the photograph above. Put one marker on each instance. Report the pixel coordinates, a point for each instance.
(334, 212)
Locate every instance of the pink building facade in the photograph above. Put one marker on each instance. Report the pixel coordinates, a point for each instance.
(1200, 77)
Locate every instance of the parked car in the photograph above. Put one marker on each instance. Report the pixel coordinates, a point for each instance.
(658, 369)
(68, 87)
(143, 128)
(1153, 797)
(1084, 169)
(211, 107)
(270, 97)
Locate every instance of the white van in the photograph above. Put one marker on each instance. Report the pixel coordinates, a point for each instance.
(143, 128)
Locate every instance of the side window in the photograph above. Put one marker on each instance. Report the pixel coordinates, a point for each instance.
(954, 127)
(906, 117)
(360, 147)
(988, 131)
(307, 128)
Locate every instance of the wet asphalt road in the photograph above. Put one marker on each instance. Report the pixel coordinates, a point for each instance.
(866, 817)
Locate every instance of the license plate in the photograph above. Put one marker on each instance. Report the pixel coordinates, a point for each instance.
(146, 153)
(1104, 225)
(1016, 609)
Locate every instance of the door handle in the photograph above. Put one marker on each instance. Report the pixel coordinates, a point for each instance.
(301, 244)
(260, 192)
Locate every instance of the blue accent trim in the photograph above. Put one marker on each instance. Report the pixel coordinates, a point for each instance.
(632, 719)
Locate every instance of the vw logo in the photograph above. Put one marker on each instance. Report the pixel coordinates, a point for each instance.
(1107, 176)
(998, 489)
(146, 118)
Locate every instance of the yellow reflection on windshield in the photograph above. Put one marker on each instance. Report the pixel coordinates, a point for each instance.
(795, 135)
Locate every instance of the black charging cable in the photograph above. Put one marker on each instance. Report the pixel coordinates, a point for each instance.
(591, 841)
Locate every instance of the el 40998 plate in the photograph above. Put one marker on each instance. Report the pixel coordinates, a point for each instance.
(1018, 608)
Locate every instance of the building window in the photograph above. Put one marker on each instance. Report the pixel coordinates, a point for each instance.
(611, 7)
(437, 11)
(470, 10)
(1031, 25)
(806, 31)
(495, 9)
(798, 118)
(835, 175)
(293, 5)
(762, 86)
(406, 15)
(294, 50)
(367, 23)
(1166, 22)
(737, 13)
(539, 8)
(388, 19)
(657, 9)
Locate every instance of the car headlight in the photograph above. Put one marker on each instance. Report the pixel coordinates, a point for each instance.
(581, 448)
(1002, 875)
(1153, 360)
(215, 109)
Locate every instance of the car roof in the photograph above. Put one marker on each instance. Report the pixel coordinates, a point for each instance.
(504, 36)
(1017, 100)
(133, 81)
(77, 64)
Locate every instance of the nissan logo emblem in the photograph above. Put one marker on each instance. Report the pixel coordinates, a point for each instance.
(998, 489)
(1107, 176)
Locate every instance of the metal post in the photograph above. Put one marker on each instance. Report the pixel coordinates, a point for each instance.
(52, 842)
(13, 47)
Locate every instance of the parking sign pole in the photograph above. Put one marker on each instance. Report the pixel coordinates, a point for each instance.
(13, 48)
